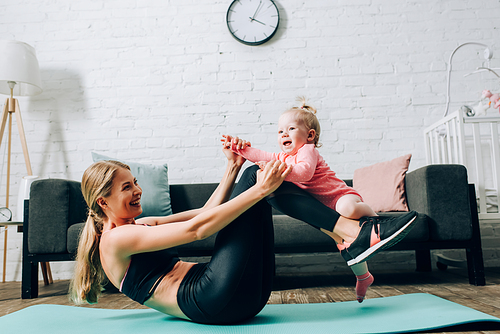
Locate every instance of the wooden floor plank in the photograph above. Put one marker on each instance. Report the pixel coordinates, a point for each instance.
(384, 291)
(341, 294)
(318, 295)
(275, 298)
(295, 296)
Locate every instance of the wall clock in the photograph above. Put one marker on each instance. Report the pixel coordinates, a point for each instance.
(5, 214)
(253, 22)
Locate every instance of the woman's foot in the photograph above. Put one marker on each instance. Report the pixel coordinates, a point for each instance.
(363, 282)
(377, 233)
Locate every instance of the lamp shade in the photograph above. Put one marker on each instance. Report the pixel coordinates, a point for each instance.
(18, 63)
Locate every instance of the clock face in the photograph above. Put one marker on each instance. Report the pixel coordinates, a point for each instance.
(253, 22)
(5, 214)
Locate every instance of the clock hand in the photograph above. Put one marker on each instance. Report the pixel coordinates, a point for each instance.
(259, 22)
(258, 7)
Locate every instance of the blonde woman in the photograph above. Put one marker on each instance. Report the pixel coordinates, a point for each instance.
(139, 257)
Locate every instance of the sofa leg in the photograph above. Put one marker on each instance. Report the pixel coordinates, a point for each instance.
(29, 285)
(475, 266)
(423, 258)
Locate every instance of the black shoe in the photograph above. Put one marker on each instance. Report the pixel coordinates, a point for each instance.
(377, 233)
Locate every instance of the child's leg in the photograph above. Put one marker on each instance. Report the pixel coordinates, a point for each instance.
(353, 207)
(350, 206)
(363, 279)
(297, 203)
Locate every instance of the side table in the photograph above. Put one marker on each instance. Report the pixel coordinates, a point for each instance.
(46, 272)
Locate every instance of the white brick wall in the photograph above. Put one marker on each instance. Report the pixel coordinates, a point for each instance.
(160, 81)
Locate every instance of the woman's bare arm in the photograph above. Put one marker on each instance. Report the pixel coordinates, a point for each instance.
(131, 239)
(220, 195)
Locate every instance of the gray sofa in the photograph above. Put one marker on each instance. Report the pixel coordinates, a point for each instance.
(441, 195)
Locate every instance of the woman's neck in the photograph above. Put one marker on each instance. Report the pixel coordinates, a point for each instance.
(109, 224)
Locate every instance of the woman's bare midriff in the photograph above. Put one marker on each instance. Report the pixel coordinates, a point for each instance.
(164, 299)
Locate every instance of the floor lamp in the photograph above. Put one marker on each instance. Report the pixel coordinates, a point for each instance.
(20, 76)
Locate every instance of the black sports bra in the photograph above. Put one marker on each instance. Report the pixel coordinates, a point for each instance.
(145, 272)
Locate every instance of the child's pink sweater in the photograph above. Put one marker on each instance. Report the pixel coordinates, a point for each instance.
(310, 172)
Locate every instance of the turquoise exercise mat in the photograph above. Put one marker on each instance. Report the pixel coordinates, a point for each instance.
(399, 314)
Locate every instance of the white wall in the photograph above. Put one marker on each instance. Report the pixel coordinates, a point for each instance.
(160, 81)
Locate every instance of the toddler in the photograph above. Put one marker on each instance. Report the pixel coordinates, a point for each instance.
(298, 139)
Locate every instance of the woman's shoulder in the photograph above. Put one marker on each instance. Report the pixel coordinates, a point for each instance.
(121, 240)
(120, 231)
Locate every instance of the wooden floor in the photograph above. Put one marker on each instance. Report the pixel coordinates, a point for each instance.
(451, 284)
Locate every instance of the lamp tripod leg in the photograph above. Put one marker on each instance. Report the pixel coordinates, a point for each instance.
(5, 113)
(23, 138)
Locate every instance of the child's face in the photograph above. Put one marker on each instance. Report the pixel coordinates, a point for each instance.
(293, 134)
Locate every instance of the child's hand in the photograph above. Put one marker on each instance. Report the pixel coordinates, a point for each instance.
(240, 144)
(234, 142)
(261, 164)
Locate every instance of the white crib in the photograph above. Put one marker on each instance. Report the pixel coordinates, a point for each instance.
(474, 143)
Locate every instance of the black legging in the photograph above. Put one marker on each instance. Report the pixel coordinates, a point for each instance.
(299, 204)
(236, 284)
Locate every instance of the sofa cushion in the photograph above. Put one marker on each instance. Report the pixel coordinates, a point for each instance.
(153, 179)
(382, 185)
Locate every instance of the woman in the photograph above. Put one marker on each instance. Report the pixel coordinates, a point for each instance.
(139, 257)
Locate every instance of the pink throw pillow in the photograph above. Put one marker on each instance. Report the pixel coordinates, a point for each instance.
(382, 185)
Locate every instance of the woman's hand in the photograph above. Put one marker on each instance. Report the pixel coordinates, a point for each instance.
(226, 141)
(272, 176)
(233, 157)
(230, 155)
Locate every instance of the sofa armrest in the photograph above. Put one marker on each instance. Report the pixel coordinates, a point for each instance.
(442, 193)
(54, 205)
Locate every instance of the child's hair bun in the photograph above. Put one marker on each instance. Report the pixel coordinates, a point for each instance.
(303, 105)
